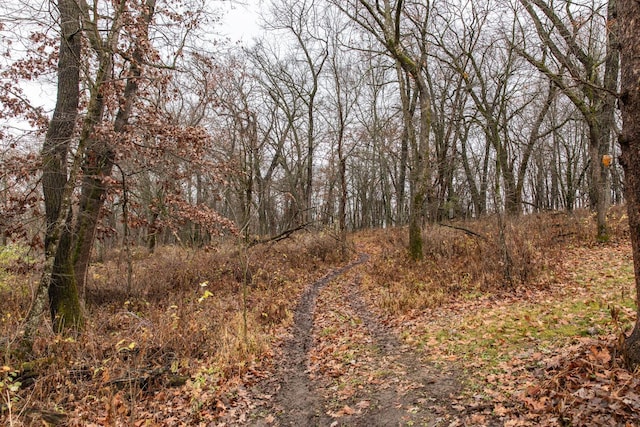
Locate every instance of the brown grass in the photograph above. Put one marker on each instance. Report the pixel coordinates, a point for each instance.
(460, 264)
(204, 319)
(193, 317)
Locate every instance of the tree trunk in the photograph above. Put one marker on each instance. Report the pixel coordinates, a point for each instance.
(416, 172)
(629, 25)
(408, 108)
(342, 210)
(91, 201)
(62, 125)
(605, 121)
(599, 192)
(57, 278)
(64, 301)
(420, 172)
(100, 155)
(478, 198)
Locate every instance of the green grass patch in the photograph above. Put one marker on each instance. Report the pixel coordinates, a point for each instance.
(519, 325)
(489, 336)
(328, 331)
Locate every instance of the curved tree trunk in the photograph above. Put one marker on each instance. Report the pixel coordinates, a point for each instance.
(100, 156)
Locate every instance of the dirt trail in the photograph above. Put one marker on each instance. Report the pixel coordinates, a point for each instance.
(383, 384)
(297, 396)
(413, 393)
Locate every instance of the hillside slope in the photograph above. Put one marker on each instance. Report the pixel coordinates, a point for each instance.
(512, 328)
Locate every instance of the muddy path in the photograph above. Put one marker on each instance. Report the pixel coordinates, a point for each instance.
(410, 391)
(341, 366)
(297, 400)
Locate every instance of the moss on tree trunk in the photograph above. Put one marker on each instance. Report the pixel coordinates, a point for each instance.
(66, 310)
(415, 228)
(64, 301)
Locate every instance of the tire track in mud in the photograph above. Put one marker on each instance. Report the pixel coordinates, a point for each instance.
(395, 386)
(297, 400)
(414, 393)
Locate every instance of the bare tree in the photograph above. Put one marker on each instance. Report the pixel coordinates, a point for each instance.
(584, 66)
(388, 23)
(283, 124)
(382, 143)
(300, 19)
(346, 83)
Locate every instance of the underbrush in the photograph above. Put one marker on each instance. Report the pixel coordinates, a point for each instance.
(172, 336)
(194, 319)
(469, 259)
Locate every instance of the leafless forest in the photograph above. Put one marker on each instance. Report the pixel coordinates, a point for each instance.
(177, 211)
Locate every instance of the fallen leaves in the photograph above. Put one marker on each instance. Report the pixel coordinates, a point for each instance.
(532, 356)
(591, 384)
(546, 355)
(345, 410)
(500, 410)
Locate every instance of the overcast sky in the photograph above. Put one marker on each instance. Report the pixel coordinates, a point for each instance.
(241, 23)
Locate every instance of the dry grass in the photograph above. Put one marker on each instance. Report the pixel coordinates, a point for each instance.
(201, 319)
(469, 261)
(204, 319)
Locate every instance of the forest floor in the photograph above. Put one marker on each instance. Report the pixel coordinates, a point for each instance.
(533, 357)
(341, 366)
(377, 340)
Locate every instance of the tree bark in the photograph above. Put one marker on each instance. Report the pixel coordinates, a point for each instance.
(100, 156)
(57, 278)
(420, 173)
(62, 126)
(97, 162)
(408, 109)
(606, 118)
(629, 34)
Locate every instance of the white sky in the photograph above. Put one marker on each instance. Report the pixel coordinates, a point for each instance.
(242, 21)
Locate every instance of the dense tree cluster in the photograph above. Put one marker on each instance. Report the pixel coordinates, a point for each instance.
(379, 113)
(345, 114)
(403, 112)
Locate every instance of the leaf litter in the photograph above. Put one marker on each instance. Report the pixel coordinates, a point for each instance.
(495, 359)
(538, 354)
